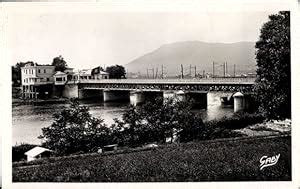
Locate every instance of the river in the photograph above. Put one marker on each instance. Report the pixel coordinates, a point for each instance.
(27, 120)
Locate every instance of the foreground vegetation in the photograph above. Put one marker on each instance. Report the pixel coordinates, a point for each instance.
(74, 130)
(227, 160)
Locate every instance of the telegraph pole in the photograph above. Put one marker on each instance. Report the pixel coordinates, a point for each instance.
(181, 71)
(153, 72)
(162, 71)
(224, 68)
(234, 70)
(213, 70)
(195, 71)
(147, 74)
(156, 73)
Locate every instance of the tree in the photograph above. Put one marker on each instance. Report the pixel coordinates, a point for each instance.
(157, 120)
(273, 86)
(75, 130)
(59, 63)
(116, 72)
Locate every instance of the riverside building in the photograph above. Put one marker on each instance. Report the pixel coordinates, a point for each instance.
(42, 81)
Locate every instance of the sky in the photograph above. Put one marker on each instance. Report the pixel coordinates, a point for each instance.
(87, 40)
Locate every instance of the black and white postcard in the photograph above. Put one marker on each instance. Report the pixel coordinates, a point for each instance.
(155, 94)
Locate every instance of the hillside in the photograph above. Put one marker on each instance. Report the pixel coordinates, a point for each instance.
(199, 54)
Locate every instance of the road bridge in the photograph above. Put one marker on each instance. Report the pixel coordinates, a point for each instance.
(139, 90)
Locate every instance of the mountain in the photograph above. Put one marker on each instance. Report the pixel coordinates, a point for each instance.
(199, 54)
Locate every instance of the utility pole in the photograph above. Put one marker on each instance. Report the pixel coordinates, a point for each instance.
(147, 74)
(190, 70)
(224, 68)
(156, 73)
(153, 72)
(162, 71)
(181, 71)
(234, 70)
(213, 70)
(195, 71)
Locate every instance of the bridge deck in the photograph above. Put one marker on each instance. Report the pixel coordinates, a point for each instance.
(208, 81)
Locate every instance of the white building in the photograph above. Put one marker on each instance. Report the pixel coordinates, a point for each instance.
(42, 81)
(34, 77)
(60, 78)
(37, 153)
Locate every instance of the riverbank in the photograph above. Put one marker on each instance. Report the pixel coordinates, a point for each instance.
(271, 127)
(217, 160)
(18, 101)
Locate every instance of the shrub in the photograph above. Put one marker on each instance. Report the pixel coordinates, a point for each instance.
(75, 130)
(157, 120)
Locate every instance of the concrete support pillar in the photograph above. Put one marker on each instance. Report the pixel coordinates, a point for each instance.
(110, 95)
(169, 94)
(137, 97)
(239, 103)
(181, 95)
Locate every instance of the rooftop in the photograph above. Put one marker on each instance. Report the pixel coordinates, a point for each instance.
(36, 151)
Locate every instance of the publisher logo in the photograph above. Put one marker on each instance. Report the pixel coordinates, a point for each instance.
(266, 161)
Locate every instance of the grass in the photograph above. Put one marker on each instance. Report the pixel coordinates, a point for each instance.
(225, 160)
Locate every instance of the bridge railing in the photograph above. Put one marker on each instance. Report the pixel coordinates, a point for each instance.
(138, 81)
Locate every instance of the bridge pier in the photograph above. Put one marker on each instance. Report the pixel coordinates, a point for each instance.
(137, 97)
(169, 94)
(115, 95)
(180, 95)
(241, 102)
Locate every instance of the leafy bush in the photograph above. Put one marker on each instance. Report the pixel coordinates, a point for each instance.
(157, 120)
(75, 130)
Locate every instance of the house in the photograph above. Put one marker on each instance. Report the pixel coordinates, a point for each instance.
(36, 80)
(60, 78)
(37, 153)
(98, 73)
(42, 81)
(85, 74)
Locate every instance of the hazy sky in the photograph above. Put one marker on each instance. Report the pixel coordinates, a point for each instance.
(86, 40)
